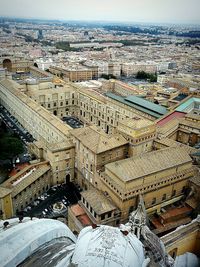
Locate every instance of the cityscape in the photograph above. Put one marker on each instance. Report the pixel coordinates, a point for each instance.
(100, 134)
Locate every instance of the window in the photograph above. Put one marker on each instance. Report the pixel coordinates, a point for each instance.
(173, 193)
(183, 189)
(103, 217)
(61, 103)
(164, 197)
(109, 214)
(154, 200)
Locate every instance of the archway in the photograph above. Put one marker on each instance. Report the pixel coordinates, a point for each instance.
(35, 65)
(55, 113)
(7, 64)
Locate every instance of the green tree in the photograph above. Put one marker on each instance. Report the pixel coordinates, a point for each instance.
(142, 75)
(10, 147)
(108, 76)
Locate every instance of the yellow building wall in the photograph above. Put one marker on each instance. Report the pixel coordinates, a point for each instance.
(7, 207)
(188, 243)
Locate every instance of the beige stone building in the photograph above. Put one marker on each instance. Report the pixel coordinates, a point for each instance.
(100, 209)
(130, 69)
(21, 189)
(46, 128)
(160, 176)
(73, 73)
(140, 134)
(184, 239)
(185, 130)
(15, 64)
(94, 149)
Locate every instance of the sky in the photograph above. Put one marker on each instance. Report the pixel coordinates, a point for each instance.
(164, 11)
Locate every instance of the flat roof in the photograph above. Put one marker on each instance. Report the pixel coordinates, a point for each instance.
(140, 104)
(184, 105)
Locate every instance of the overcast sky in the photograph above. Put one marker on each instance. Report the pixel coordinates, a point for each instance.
(183, 11)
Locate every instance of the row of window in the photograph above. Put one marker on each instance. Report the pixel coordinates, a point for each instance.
(144, 188)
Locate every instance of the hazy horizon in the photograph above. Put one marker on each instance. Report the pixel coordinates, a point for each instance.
(127, 11)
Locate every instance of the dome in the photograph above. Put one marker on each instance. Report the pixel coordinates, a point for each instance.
(108, 246)
(18, 241)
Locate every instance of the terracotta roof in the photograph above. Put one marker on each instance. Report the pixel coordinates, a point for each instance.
(171, 116)
(25, 177)
(77, 210)
(98, 141)
(18, 168)
(81, 215)
(146, 164)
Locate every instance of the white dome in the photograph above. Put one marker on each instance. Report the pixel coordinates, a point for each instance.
(107, 246)
(19, 240)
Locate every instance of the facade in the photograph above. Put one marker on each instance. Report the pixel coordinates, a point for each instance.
(73, 74)
(140, 134)
(16, 65)
(99, 209)
(184, 239)
(160, 176)
(131, 69)
(184, 128)
(94, 149)
(44, 127)
(21, 189)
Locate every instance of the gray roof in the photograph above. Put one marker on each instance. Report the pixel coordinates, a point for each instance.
(140, 104)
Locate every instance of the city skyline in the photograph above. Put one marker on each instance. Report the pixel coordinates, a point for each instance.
(127, 11)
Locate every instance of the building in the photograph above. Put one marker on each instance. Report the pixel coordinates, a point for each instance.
(184, 239)
(140, 134)
(94, 149)
(22, 188)
(73, 73)
(131, 69)
(93, 208)
(52, 134)
(180, 126)
(160, 176)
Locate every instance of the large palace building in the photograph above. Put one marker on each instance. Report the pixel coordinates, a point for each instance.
(114, 154)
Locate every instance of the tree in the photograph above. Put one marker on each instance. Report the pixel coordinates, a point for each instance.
(142, 75)
(10, 147)
(108, 76)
